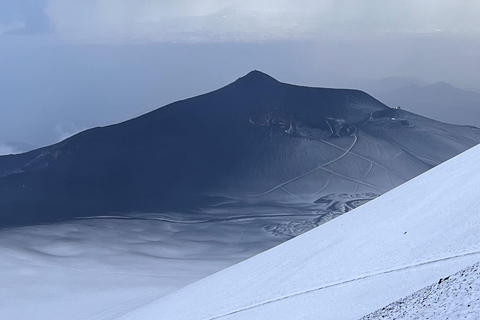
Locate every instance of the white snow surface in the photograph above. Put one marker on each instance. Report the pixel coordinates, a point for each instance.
(454, 297)
(100, 268)
(421, 231)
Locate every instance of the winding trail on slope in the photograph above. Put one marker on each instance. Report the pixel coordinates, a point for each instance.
(365, 176)
(346, 151)
(359, 156)
(326, 184)
(302, 175)
(293, 295)
(309, 172)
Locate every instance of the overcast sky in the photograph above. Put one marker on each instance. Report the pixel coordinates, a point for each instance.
(66, 65)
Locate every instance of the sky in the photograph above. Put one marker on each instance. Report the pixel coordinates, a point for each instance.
(70, 65)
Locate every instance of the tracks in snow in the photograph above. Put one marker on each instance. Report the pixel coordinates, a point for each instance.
(297, 294)
(283, 184)
(346, 151)
(309, 172)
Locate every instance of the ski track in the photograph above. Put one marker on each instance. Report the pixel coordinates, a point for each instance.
(350, 179)
(300, 176)
(288, 192)
(331, 130)
(357, 155)
(293, 295)
(309, 172)
(326, 184)
(346, 151)
(365, 176)
(295, 195)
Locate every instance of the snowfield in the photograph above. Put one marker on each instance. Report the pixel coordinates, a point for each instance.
(401, 242)
(453, 297)
(94, 269)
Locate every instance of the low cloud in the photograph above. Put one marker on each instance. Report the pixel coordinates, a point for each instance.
(230, 20)
(140, 21)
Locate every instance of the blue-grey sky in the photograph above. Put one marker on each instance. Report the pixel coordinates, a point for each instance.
(66, 65)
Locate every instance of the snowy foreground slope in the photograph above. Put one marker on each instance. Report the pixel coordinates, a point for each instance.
(454, 297)
(424, 230)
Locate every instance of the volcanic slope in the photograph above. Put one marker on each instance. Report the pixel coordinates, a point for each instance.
(255, 141)
(408, 238)
(454, 297)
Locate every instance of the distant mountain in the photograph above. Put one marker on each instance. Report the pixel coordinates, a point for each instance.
(440, 101)
(255, 141)
(390, 83)
(408, 238)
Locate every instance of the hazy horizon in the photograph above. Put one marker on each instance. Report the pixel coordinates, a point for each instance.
(67, 66)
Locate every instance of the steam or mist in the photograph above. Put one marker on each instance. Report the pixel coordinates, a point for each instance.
(66, 129)
(6, 149)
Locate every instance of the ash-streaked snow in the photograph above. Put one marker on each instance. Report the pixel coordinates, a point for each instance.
(421, 231)
(453, 297)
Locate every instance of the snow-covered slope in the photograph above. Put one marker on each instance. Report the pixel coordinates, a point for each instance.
(453, 297)
(424, 230)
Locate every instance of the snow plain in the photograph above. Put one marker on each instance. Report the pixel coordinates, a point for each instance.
(98, 268)
(421, 231)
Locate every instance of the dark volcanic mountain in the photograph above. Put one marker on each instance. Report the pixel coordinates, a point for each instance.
(255, 141)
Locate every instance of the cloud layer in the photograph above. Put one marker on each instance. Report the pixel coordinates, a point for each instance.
(54, 85)
(230, 20)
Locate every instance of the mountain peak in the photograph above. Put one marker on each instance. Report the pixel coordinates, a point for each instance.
(256, 75)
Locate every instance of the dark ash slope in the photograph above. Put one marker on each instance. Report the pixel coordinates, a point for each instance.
(254, 141)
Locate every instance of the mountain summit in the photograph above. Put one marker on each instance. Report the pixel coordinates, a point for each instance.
(256, 75)
(256, 141)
